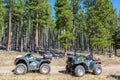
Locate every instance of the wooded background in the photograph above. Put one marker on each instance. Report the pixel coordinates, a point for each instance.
(78, 24)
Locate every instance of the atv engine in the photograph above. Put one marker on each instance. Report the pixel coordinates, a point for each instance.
(33, 65)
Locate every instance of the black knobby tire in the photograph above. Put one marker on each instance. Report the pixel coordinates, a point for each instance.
(20, 69)
(97, 70)
(45, 68)
(79, 71)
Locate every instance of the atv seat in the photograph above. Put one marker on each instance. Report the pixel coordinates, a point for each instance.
(92, 57)
(47, 56)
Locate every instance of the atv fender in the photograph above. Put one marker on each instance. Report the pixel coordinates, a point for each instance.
(48, 61)
(82, 64)
(96, 65)
(18, 61)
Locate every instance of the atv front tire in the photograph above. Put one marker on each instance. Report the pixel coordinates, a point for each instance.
(97, 70)
(79, 71)
(20, 69)
(45, 68)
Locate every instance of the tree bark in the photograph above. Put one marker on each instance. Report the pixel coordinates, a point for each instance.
(90, 46)
(115, 49)
(2, 38)
(36, 47)
(46, 39)
(110, 44)
(17, 38)
(116, 52)
(74, 28)
(26, 40)
(58, 43)
(9, 26)
(21, 49)
(83, 46)
(53, 40)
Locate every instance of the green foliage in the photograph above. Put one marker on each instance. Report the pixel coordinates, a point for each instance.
(44, 10)
(2, 12)
(75, 4)
(77, 22)
(64, 21)
(100, 22)
(63, 14)
(116, 38)
(66, 38)
(118, 54)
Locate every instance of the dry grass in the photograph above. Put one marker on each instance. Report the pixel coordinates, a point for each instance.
(7, 59)
(60, 76)
(59, 62)
(109, 61)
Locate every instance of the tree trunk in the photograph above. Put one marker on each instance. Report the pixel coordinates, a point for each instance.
(90, 46)
(46, 39)
(9, 26)
(2, 38)
(21, 49)
(40, 38)
(115, 49)
(17, 38)
(83, 46)
(65, 50)
(58, 43)
(53, 40)
(86, 44)
(74, 41)
(110, 44)
(26, 40)
(36, 44)
(115, 52)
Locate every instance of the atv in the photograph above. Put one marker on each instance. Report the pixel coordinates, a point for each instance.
(31, 63)
(78, 65)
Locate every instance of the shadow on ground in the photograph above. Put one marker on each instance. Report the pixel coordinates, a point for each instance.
(117, 77)
(63, 71)
(66, 73)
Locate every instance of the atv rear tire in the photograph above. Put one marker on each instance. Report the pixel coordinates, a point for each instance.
(45, 68)
(97, 70)
(79, 71)
(20, 69)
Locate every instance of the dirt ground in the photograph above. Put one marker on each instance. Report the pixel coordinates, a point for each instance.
(111, 70)
(57, 69)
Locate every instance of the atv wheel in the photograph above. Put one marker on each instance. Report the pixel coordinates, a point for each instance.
(45, 68)
(20, 69)
(97, 70)
(79, 71)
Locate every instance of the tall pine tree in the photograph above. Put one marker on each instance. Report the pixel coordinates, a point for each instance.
(64, 22)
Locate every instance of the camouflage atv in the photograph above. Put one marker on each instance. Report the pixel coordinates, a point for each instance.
(80, 65)
(31, 63)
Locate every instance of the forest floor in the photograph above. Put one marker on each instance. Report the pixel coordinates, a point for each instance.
(110, 66)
